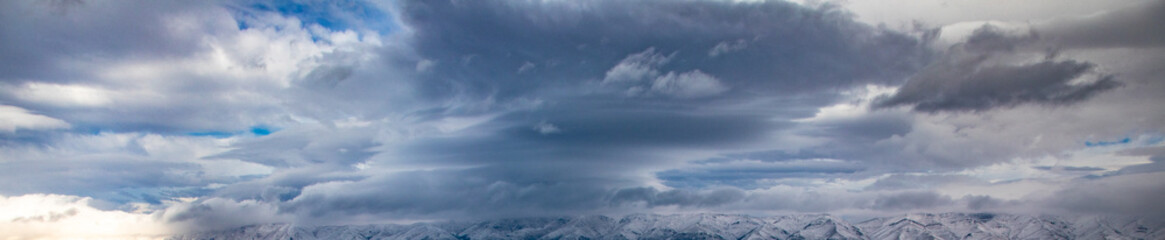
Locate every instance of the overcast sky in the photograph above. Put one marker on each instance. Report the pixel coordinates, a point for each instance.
(159, 117)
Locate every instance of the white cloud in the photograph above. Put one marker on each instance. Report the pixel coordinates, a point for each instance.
(425, 65)
(546, 128)
(640, 73)
(63, 95)
(901, 13)
(526, 67)
(225, 79)
(48, 216)
(727, 47)
(53, 216)
(13, 118)
(637, 67)
(692, 84)
(856, 104)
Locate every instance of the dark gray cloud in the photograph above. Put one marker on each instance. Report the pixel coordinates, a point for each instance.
(684, 198)
(1068, 168)
(181, 67)
(297, 148)
(1135, 25)
(110, 167)
(479, 47)
(285, 184)
(982, 202)
(967, 78)
(478, 192)
(909, 182)
(911, 200)
(870, 127)
(1156, 156)
(45, 40)
(586, 143)
(105, 177)
(73, 62)
(890, 141)
(218, 214)
(618, 124)
(751, 174)
(1131, 194)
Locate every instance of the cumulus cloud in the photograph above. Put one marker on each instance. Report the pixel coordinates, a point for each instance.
(640, 74)
(194, 70)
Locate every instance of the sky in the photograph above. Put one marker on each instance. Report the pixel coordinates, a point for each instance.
(147, 118)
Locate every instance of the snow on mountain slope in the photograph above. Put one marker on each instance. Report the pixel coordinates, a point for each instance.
(721, 226)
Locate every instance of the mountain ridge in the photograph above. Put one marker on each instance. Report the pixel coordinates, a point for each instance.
(723, 226)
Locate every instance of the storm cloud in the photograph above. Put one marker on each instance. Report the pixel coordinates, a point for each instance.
(202, 116)
(479, 47)
(971, 77)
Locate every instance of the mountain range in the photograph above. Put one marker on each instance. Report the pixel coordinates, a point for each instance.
(722, 226)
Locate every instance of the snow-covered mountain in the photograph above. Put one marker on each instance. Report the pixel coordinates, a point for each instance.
(720, 226)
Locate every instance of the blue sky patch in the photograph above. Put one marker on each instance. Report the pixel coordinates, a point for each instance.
(333, 15)
(214, 134)
(256, 130)
(1107, 143)
(261, 131)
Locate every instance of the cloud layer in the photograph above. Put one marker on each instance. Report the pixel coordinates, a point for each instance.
(975, 76)
(220, 114)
